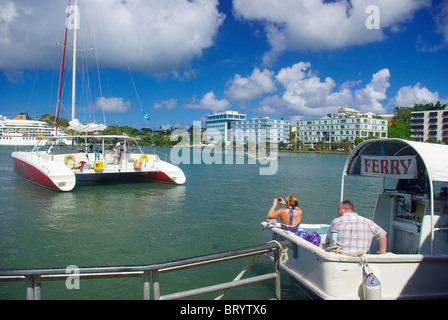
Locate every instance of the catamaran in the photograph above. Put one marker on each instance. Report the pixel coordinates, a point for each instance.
(92, 158)
(414, 213)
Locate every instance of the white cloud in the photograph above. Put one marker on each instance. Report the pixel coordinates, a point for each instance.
(442, 20)
(303, 94)
(368, 98)
(159, 37)
(209, 102)
(408, 96)
(165, 104)
(112, 105)
(241, 89)
(323, 25)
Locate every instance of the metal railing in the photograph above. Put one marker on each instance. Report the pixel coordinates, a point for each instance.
(34, 277)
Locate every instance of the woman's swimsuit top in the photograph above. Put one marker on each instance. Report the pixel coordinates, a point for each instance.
(290, 227)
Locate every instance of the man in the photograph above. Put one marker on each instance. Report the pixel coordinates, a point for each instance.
(355, 233)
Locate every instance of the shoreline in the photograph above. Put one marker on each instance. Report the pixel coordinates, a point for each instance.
(247, 150)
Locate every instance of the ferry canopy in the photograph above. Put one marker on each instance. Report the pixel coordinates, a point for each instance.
(398, 158)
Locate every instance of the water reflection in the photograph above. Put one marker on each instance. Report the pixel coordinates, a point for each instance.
(104, 202)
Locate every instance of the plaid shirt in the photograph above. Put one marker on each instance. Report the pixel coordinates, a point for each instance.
(355, 233)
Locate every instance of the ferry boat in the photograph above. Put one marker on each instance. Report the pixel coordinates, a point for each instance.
(413, 213)
(24, 131)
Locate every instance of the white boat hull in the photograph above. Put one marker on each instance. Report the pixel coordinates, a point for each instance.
(329, 275)
(53, 171)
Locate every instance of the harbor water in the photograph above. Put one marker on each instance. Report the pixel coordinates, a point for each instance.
(219, 208)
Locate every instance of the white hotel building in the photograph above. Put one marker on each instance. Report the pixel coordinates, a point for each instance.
(429, 124)
(231, 126)
(220, 124)
(261, 130)
(330, 130)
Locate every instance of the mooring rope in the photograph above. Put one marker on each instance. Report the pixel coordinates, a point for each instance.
(284, 254)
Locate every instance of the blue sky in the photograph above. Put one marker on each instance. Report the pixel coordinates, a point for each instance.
(291, 59)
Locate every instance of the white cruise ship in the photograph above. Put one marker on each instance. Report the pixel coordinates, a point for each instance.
(23, 131)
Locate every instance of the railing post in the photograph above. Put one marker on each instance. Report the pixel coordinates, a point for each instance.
(33, 287)
(37, 281)
(146, 285)
(155, 284)
(29, 288)
(277, 271)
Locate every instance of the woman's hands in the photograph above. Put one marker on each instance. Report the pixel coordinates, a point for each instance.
(272, 214)
(278, 201)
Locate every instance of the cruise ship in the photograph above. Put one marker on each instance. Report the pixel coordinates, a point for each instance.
(24, 131)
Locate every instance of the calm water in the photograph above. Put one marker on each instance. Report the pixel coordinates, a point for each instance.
(219, 208)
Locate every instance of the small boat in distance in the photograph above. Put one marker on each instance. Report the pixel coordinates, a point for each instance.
(409, 208)
(266, 157)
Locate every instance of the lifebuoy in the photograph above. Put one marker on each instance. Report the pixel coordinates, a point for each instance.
(69, 156)
(98, 165)
(144, 156)
(137, 164)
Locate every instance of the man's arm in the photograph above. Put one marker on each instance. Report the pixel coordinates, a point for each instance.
(383, 245)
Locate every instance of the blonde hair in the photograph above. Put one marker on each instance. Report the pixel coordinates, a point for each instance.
(292, 201)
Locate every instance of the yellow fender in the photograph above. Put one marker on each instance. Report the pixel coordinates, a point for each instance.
(137, 164)
(69, 156)
(98, 165)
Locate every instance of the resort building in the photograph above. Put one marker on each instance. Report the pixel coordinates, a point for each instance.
(429, 124)
(219, 124)
(231, 126)
(347, 112)
(337, 129)
(261, 130)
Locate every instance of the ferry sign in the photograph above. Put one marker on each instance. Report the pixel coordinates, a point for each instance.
(399, 167)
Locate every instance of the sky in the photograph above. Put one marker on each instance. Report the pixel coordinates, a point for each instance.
(180, 60)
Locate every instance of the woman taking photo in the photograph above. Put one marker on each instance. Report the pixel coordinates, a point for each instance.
(291, 217)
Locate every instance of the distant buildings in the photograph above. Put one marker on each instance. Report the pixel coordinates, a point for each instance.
(347, 124)
(429, 124)
(231, 126)
(218, 125)
(261, 130)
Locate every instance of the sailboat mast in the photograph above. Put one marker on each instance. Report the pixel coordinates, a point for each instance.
(62, 73)
(74, 60)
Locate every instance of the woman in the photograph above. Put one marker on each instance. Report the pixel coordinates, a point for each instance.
(291, 217)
